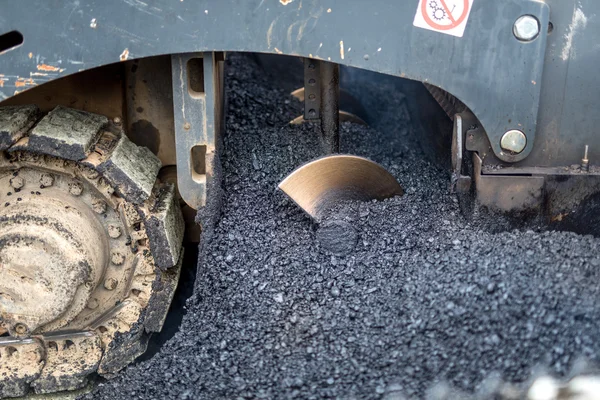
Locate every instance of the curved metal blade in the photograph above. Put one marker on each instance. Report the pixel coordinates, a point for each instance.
(322, 183)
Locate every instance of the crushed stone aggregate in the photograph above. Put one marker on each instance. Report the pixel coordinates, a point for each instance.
(424, 297)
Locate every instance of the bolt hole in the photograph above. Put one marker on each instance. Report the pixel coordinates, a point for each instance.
(53, 346)
(69, 344)
(10, 41)
(199, 159)
(135, 292)
(550, 27)
(10, 351)
(195, 72)
(102, 329)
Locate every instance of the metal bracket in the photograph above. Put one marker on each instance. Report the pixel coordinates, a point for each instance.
(312, 89)
(197, 108)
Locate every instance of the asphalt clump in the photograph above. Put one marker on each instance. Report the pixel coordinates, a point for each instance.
(423, 297)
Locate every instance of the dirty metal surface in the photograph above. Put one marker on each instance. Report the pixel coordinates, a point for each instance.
(321, 184)
(479, 67)
(197, 109)
(86, 273)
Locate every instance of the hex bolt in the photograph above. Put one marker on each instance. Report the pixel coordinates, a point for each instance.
(526, 28)
(513, 141)
(114, 231)
(110, 284)
(117, 258)
(99, 206)
(117, 120)
(92, 304)
(46, 180)
(75, 188)
(17, 182)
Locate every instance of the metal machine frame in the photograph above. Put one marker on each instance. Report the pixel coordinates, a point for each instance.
(544, 87)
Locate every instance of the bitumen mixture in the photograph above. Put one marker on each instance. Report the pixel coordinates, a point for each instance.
(425, 303)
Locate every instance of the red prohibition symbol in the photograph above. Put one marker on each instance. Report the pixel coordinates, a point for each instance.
(454, 22)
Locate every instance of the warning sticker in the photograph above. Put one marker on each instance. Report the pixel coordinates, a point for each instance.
(445, 16)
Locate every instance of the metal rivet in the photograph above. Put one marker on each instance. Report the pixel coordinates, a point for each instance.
(46, 180)
(114, 231)
(75, 188)
(187, 126)
(526, 28)
(513, 141)
(117, 258)
(17, 182)
(110, 284)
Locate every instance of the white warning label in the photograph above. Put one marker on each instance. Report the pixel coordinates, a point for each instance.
(445, 16)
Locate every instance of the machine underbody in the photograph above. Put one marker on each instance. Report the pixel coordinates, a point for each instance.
(104, 165)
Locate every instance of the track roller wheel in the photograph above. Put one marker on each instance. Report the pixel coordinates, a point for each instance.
(90, 249)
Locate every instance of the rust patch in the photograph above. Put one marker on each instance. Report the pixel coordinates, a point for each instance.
(124, 55)
(47, 68)
(22, 82)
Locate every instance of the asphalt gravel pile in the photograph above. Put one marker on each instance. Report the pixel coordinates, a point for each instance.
(424, 297)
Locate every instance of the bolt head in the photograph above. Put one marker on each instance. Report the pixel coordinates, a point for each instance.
(93, 304)
(46, 180)
(20, 329)
(99, 206)
(117, 258)
(513, 141)
(114, 231)
(117, 120)
(110, 284)
(17, 182)
(75, 188)
(526, 28)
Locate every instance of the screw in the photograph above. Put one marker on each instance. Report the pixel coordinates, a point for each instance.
(46, 180)
(117, 258)
(187, 126)
(110, 284)
(585, 162)
(312, 113)
(114, 231)
(311, 81)
(75, 188)
(311, 66)
(513, 141)
(311, 96)
(526, 28)
(17, 182)
(117, 120)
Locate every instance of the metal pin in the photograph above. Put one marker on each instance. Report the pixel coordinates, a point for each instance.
(585, 162)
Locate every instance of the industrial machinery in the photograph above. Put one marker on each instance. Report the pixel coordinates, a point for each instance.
(111, 114)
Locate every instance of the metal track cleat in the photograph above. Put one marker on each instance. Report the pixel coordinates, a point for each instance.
(320, 184)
